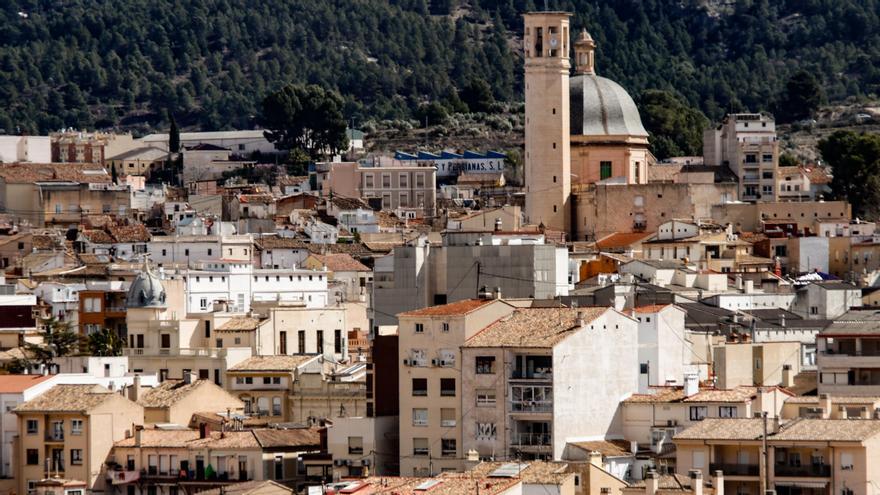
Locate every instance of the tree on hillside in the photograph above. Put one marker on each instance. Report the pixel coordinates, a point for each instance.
(676, 129)
(477, 95)
(173, 135)
(801, 98)
(855, 162)
(307, 118)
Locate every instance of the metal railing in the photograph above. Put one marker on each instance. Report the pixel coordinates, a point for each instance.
(531, 439)
(807, 470)
(532, 406)
(736, 469)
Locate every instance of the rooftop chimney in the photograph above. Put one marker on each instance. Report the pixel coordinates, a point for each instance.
(596, 459)
(718, 482)
(579, 320)
(496, 293)
(787, 376)
(135, 390)
(842, 413)
(138, 435)
(691, 384)
(696, 481)
(825, 404)
(652, 482)
(498, 224)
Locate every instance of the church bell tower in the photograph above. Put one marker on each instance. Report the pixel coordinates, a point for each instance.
(548, 151)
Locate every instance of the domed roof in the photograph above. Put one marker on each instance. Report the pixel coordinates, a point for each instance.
(146, 291)
(601, 107)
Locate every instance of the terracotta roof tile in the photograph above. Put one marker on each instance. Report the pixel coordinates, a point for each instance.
(724, 429)
(275, 242)
(16, 384)
(608, 448)
(457, 308)
(68, 398)
(273, 363)
(341, 262)
(652, 308)
(293, 437)
(240, 324)
(130, 233)
(534, 327)
(18, 173)
(96, 236)
(169, 392)
(620, 240)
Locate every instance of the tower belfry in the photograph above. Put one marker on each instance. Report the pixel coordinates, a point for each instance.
(547, 130)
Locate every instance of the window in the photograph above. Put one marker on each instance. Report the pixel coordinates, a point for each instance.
(403, 180)
(301, 342)
(368, 181)
(276, 406)
(751, 158)
(604, 170)
(420, 180)
(386, 200)
(727, 411)
(203, 303)
(319, 341)
(32, 427)
(76, 457)
(165, 341)
(267, 380)
(207, 329)
(767, 189)
(767, 157)
(444, 327)
(814, 310)
(420, 417)
(485, 365)
(263, 406)
(420, 387)
(76, 427)
(33, 457)
(356, 445)
(420, 446)
(337, 341)
(643, 368)
(420, 328)
(447, 417)
(419, 357)
(447, 387)
(447, 447)
(386, 181)
(698, 413)
(485, 397)
(699, 460)
(403, 202)
(766, 175)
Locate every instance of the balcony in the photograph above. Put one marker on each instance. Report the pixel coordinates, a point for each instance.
(55, 436)
(532, 407)
(807, 471)
(530, 439)
(736, 469)
(546, 375)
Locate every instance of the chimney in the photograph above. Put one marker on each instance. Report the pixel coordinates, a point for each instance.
(496, 293)
(135, 390)
(718, 482)
(498, 224)
(652, 482)
(138, 435)
(865, 413)
(596, 459)
(748, 286)
(787, 376)
(739, 282)
(579, 320)
(691, 384)
(841, 412)
(472, 459)
(825, 404)
(696, 481)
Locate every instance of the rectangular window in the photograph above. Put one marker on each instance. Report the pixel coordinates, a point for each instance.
(319, 342)
(767, 157)
(698, 413)
(447, 417)
(485, 397)
(420, 180)
(301, 342)
(368, 181)
(76, 427)
(420, 328)
(727, 411)
(604, 170)
(420, 387)
(76, 457)
(356, 445)
(444, 327)
(447, 447)
(33, 457)
(447, 387)
(337, 341)
(420, 446)
(32, 427)
(485, 365)
(751, 158)
(403, 181)
(165, 341)
(420, 417)
(386, 200)
(386, 181)
(267, 380)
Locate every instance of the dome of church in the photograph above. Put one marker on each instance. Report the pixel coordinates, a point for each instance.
(146, 291)
(601, 107)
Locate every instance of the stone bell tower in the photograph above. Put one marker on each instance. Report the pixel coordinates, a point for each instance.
(548, 156)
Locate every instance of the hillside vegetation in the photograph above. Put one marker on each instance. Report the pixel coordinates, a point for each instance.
(125, 63)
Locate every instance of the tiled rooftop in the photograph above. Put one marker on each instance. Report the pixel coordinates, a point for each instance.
(534, 327)
(239, 324)
(341, 262)
(169, 392)
(68, 398)
(15, 384)
(273, 363)
(457, 308)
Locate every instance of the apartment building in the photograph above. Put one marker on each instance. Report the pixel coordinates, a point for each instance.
(71, 146)
(430, 381)
(69, 431)
(405, 188)
(101, 304)
(34, 149)
(746, 142)
(520, 264)
(824, 406)
(664, 353)
(849, 354)
(540, 378)
(804, 455)
(264, 384)
(155, 460)
(294, 329)
(362, 446)
(15, 390)
(654, 418)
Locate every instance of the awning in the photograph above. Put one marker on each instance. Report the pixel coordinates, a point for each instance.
(803, 484)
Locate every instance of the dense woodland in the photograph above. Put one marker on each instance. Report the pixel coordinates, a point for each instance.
(128, 64)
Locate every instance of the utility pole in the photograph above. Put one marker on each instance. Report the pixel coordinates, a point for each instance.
(765, 479)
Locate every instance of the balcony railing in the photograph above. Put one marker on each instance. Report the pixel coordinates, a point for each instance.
(531, 439)
(55, 436)
(534, 375)
(736, 469)
(864, 353)
(531, 406)
(807, 471)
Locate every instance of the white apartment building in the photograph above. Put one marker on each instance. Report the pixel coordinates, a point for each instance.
(746, 142)
(240, 284)
(33, 149)
(239, 142)
(664, 352)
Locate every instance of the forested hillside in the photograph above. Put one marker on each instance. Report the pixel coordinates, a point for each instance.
(127, 63)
